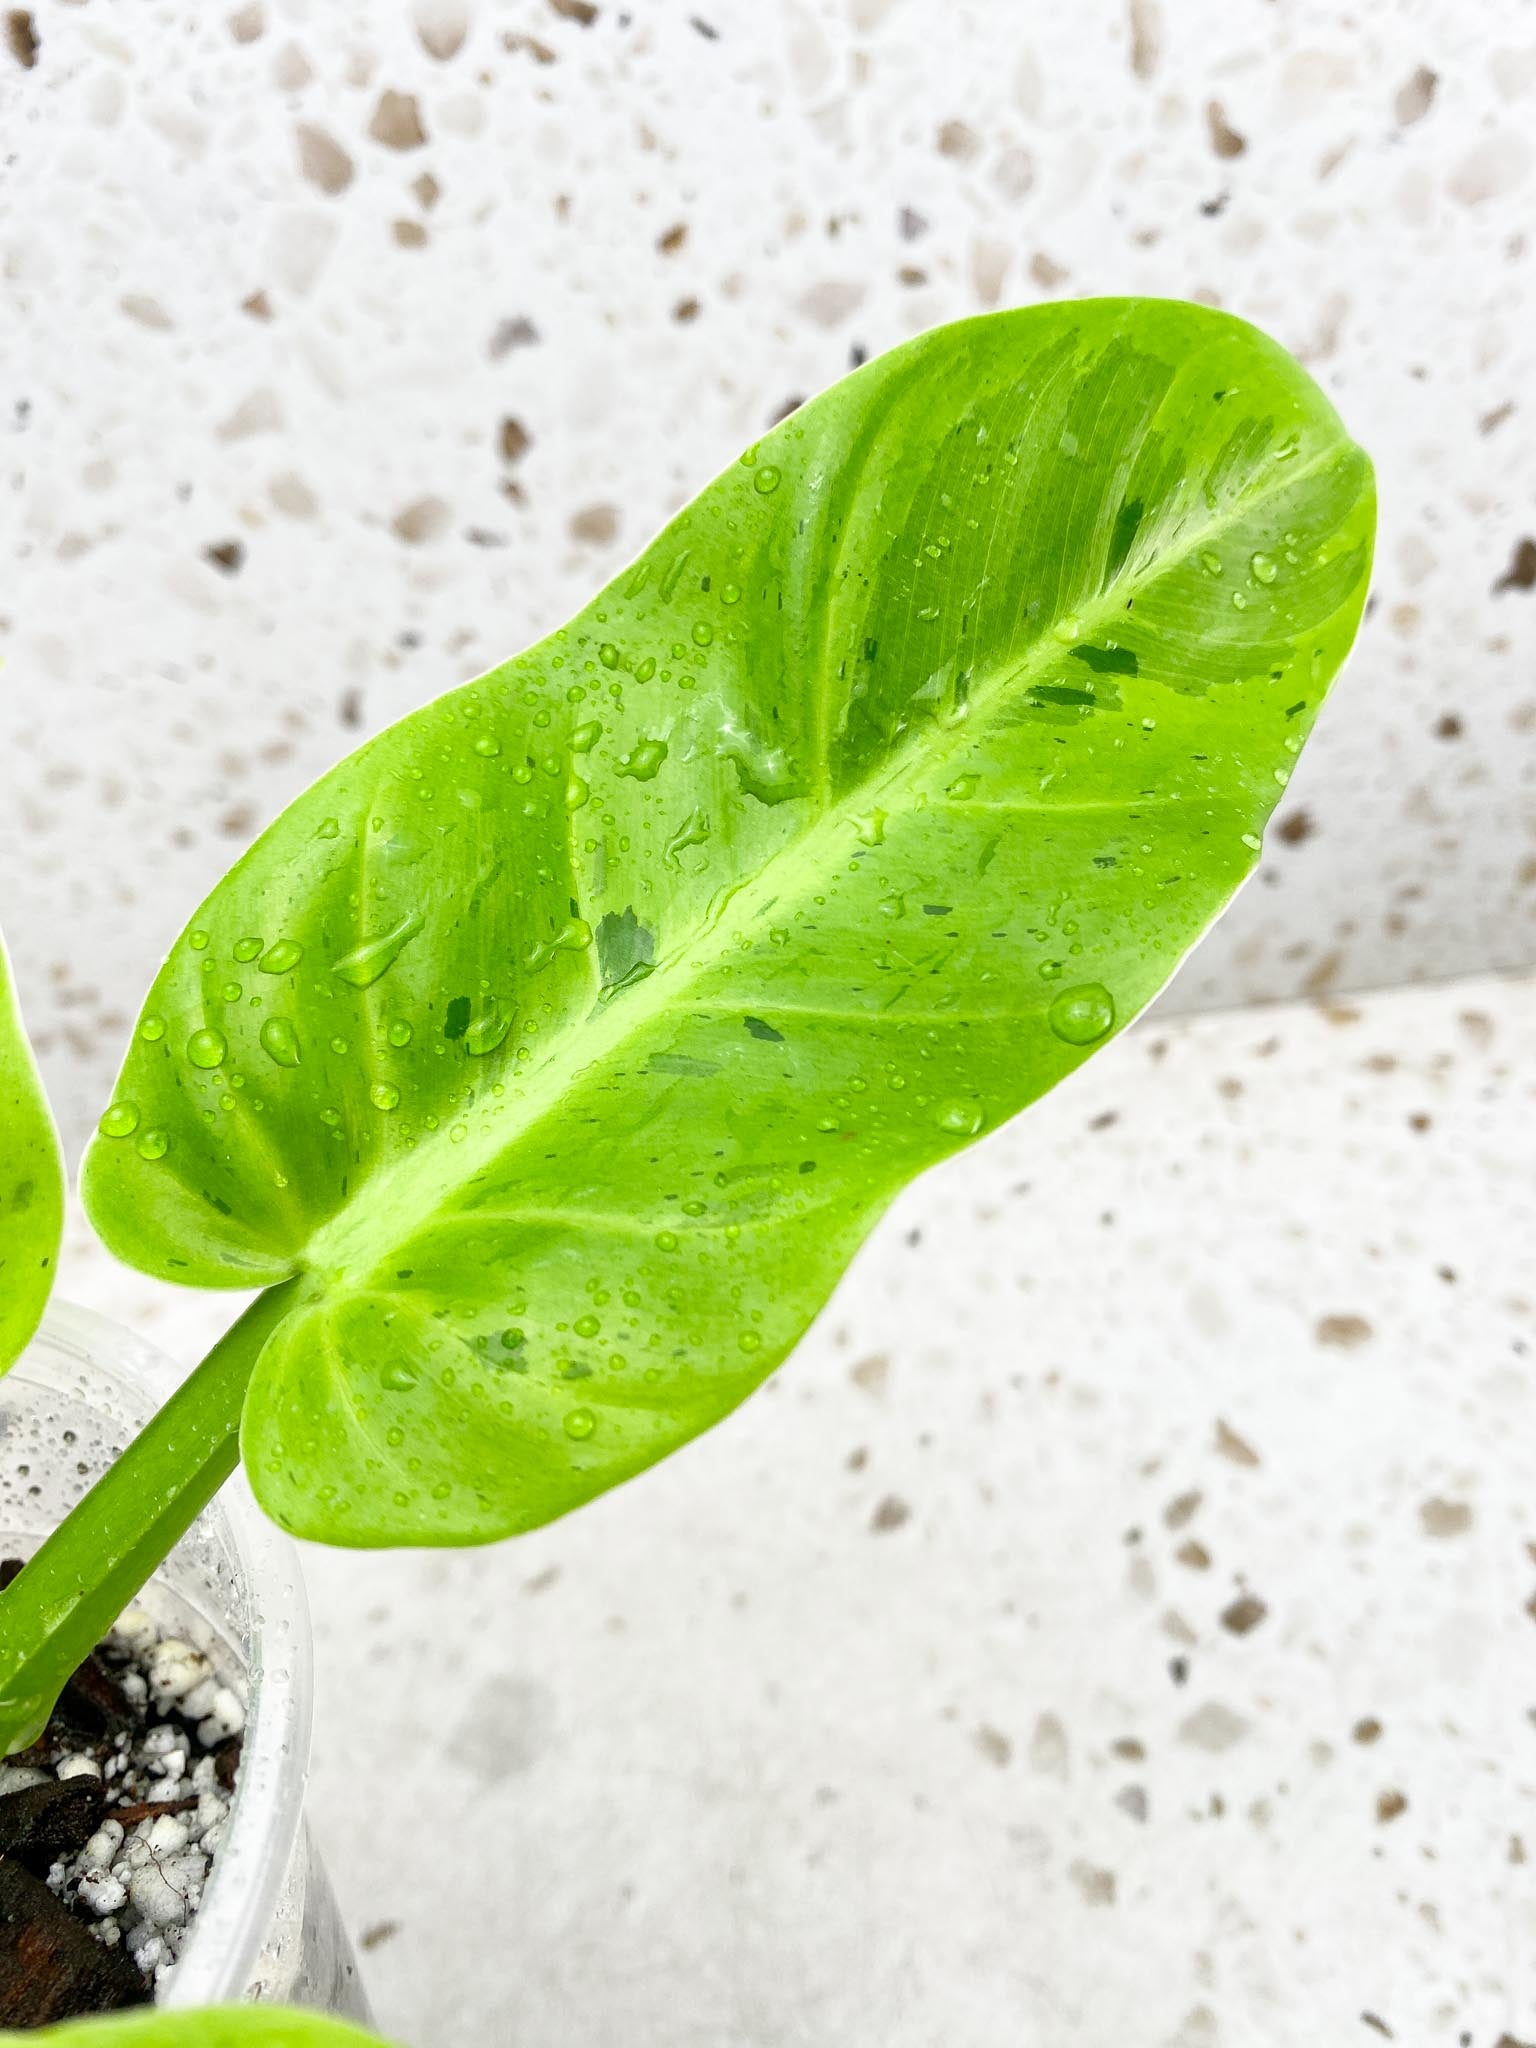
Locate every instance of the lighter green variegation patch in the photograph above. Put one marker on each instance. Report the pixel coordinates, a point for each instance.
(607, 1001)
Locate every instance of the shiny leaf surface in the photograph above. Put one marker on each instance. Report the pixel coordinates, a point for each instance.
(567, 1039)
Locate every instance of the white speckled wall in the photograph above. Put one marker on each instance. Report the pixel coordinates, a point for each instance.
(1115, 1626)
(348, 346)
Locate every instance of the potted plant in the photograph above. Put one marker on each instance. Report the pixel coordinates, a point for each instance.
(546, 1062)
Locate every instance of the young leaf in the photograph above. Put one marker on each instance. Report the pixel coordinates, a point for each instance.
(31, 1183)
(568, 1038)
(247, 2026)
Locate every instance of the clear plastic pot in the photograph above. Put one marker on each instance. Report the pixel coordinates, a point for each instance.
(268, 1926)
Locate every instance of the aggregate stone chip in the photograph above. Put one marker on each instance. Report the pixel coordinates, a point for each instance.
(110, 1823)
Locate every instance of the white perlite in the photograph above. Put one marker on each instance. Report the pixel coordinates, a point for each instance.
(141, 1883)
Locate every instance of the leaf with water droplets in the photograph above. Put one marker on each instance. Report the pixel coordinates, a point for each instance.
(636, 977)
(31, 1182)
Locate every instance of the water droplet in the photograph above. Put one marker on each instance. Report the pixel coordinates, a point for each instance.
(246, 949)
(1252, 842)
(766, 481)
(580, 1423)
(282, 957)
(231, 992)
(484, 1033)
(399, 1032)
(608, 654)
(1210, 562)
(870, 831)
(120, 1121)
(198, 941)
(666, 1241)
(576, 793)
(1265, 569)
(367, 962)
(1068, 628)
(399, 1376)
(643, 764)
(730, 594)
(207, 1049)
(586, 1326)
(586, 736)
(152, 1030)
(384, 1095)
(280, 1042)
(963, 1118)
(1239, 602)
(328, 828)
(1082, 1015)
(693, 831)
(153, 1145)
(963, 788)
(703, 633)
(488, 746)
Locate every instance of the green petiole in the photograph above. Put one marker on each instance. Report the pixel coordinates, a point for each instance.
(72, 1590)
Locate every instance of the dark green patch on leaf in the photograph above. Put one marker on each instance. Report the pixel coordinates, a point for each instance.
(626, 950)
(456, 1020)
(764, 1031)
(1108, 661)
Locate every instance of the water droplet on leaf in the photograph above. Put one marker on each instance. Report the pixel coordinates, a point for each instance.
(153, 1145)
(580, 1423)
(484, 1033)
(120, 1121)
(384, 1095)
(766, 481)
(280, 1042)
(207, 1049)
(643, 764)
(1265, 569)
(282, 957)
(367, 962)
(1082, 1015)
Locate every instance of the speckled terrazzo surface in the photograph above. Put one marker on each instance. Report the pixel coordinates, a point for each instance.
(349, 347)
(1118, 1623)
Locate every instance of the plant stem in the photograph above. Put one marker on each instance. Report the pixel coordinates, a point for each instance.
(71, 1591)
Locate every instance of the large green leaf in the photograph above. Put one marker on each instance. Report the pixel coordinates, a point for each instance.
(569, 1037)
(248, 2026)
(31, 1183)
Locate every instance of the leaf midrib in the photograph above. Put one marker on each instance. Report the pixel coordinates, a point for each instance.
(349, 1246)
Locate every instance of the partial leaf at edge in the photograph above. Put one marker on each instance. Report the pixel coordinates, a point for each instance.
(31, 1183)
(247, 2026)
(570, 1036)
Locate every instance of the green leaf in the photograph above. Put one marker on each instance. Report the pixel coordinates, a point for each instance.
(31, 1183)
(269, 2026)
(568, 1038)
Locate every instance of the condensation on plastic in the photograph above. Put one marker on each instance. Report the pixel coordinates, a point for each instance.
(268, 1927)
